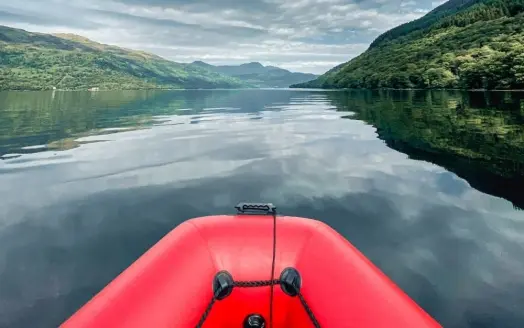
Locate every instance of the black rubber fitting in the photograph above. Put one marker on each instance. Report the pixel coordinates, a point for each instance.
(222, 285)
(254, 321)
(290, 281)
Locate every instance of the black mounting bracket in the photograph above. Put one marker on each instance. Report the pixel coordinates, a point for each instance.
(256, 208)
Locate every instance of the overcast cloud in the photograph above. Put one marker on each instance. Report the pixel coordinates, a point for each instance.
(300, 35)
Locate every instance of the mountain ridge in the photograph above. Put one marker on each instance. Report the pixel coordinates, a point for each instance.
(433, 16)
(462, 44)
(38, 61)
(259, 75)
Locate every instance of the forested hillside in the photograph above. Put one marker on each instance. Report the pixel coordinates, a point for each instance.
(34, 61)
(467, 44)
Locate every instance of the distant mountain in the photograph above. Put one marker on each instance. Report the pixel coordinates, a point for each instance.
(466, 44)
(259, 75)
(35, 61)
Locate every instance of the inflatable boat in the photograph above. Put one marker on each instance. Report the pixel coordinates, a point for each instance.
(252, 269)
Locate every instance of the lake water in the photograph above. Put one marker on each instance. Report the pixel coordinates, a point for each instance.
(428, 185)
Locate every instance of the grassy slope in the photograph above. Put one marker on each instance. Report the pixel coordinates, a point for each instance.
(474, 44)
(34, 61)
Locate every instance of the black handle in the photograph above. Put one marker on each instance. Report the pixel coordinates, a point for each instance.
(256, 208)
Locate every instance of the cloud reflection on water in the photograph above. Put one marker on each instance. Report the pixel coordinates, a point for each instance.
(72, 221)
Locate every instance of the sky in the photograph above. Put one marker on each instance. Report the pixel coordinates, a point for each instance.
(300, 35)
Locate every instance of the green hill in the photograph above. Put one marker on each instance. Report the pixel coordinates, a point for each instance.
(466, 44)
(258, 75)
(35, 61)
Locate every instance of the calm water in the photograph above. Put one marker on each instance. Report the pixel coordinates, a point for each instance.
(426, 184)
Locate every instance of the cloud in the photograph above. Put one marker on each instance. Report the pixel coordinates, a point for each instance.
(437, 3)
(303, 35)
(408, 3)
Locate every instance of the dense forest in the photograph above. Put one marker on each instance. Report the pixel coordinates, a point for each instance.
(34, 61)
(466, 44)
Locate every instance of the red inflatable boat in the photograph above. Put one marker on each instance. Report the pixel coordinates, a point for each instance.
(253, 269)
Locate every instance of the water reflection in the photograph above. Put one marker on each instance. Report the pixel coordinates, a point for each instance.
(42, 118)
(478, 136)
(71, 220)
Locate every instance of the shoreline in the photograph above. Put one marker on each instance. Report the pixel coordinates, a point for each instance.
(288, 88)
(414, 89)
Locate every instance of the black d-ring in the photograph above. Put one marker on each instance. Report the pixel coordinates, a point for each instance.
(222, 285)
(290, 281)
